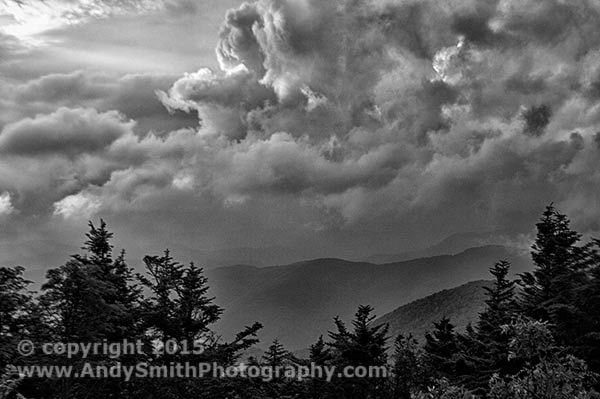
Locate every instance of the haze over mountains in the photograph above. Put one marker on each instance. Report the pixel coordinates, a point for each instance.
(461, 305)
(457, 243)
(297, 302)
(39, 255)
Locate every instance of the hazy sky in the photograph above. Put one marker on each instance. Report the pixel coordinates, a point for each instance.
(345, 126)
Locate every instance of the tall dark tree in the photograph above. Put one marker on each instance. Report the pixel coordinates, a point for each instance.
(448, 354)
(90, 299)
(550, 291)
(588, 327)
(92, 295)
(487, 346)
(500, 306)
(364, 345)
(178, 307)
(320, 355)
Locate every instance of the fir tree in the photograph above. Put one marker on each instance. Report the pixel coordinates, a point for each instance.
(408, 367)
(179, 307)
(441, 347)
(276, 355)
(557, 262)
(319, 353)
(550, 292)
(93, 294)
(365, 345)
(487, 346)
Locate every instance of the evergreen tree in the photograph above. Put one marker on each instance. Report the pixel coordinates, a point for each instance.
(178, 307)
(92, 294)
(558, 268)
(319, 353)
(408, 367)
(276, 355)
(487, 346)
(552, 290)
(441, 347)
(91, 299)
(588, 326)
(365, 345)
(16, 312)
(500, 305)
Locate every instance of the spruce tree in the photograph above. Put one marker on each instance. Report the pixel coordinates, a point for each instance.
(319, 353)
(555, 257)
(441, 347)
(588, 342)
(364, 345)
(91, 299)
(550, 292)
(276, 355)
(93, 294)
(487, 346)
(408, 367)
(178, 307)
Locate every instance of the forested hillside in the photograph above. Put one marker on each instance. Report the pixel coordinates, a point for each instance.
(296, 302)
(462, 305)
(535, 337)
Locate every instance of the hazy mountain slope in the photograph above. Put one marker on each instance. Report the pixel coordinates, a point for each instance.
(451, 245)
(297, 302)
(461, 304)
(250, 256)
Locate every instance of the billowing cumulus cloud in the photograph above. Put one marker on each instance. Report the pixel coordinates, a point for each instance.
(345, 120)
(448, 92)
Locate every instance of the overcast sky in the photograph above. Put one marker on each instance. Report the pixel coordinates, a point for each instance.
(338, 127)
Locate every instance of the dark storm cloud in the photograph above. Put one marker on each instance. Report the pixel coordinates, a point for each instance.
(454, 84)
(341, 116)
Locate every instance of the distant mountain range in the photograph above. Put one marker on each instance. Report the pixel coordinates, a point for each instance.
(461, 305)
(260, 257)
(42, 254)
(297, 302)
(454, 244)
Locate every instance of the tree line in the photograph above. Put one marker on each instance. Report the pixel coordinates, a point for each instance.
(538, 336)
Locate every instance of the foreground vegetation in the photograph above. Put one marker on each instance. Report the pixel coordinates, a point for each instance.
(538, 337)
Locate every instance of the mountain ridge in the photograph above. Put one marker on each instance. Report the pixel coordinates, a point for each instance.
(297, 302)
